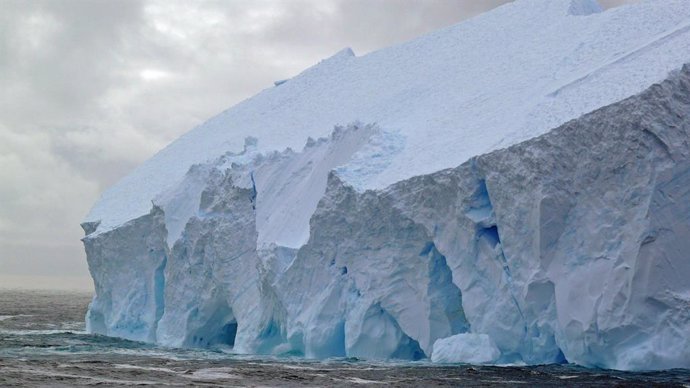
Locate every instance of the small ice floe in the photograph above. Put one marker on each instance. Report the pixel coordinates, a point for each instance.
(146, 368)
(357, 380)
(213, 374)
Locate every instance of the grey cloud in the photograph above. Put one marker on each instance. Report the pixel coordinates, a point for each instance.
(61, 55)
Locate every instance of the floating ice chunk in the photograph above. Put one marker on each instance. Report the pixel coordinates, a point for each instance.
(467, 348)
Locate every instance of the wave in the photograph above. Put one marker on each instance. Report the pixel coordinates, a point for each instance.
(43, 332)
(6, 317)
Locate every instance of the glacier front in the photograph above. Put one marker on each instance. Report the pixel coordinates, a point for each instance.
(512, 189)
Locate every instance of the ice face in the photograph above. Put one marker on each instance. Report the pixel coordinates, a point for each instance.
(568, 246)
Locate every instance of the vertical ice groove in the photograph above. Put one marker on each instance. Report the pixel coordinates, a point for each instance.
(488, 233)
(252, 198)
(443, 291)
(159, 291)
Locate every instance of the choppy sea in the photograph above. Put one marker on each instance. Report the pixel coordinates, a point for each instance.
(43, 342)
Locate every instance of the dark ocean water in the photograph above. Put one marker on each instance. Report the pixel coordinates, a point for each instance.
(43, 343)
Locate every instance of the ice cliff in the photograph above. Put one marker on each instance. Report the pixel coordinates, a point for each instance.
(515, 188)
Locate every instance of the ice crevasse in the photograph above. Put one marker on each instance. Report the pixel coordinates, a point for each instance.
(513, 188)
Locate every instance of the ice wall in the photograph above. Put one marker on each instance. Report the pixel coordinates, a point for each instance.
(571, 246)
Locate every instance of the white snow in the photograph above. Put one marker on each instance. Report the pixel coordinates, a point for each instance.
(497, 79)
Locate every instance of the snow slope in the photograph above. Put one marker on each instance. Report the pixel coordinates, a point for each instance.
(497, 79)
(518, 180)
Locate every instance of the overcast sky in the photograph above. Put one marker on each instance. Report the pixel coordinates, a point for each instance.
(90, 89)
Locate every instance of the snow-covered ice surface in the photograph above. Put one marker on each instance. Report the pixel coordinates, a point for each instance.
(467, 183)
(499, 78)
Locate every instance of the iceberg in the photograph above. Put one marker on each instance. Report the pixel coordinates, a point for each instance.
(511, 189)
